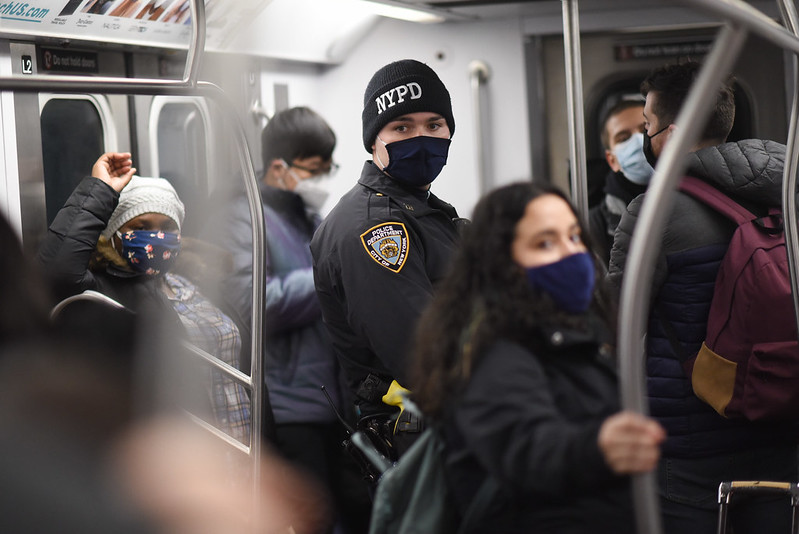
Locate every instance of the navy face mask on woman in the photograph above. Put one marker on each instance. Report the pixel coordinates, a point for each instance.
(416, 161)
(150, 252)
(568, 282)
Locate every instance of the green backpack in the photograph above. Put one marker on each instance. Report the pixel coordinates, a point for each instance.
(413, 496)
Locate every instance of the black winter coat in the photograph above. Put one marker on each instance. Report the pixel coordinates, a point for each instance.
(72, 240)
(532, 420)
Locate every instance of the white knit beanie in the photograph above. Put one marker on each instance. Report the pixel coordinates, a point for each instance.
(145, 195)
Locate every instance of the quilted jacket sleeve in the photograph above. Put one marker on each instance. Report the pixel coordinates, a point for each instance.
(621, 249)
(72, 237)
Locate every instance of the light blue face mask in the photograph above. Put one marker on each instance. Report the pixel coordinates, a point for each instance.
(634, 165)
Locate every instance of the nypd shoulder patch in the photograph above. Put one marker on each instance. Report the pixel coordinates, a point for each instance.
(387, 244)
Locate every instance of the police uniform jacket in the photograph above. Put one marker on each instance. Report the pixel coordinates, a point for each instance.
(377, 257)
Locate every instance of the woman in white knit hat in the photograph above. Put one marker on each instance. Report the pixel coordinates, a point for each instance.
(119, 234)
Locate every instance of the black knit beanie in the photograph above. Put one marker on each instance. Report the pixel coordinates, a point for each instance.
(399, 88)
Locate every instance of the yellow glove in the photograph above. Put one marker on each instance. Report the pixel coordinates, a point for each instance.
(395, 397)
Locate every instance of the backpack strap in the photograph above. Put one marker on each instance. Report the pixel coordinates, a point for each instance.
(706, 193)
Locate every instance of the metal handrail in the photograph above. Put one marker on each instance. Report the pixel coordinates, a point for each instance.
(791, 20)
(636, 287)
(229, 370)
(574, 107)
(258, 276)
(789, 15)
(211, 429)
(89, 296)
(60, 82)
(196, 44)
(750, 18)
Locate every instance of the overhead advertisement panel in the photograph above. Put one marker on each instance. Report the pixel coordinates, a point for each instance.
(158, 23)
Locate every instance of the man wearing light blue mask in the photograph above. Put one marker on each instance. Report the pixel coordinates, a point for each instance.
(382, 249)
(622, 136)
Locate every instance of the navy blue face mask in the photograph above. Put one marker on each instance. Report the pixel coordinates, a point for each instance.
(568, 282)
(150, 251)
(416, 161)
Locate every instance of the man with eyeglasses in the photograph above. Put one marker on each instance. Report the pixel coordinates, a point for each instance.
(381, 250)
(297, 148)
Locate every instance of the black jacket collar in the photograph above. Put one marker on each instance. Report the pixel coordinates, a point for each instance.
(376, 180)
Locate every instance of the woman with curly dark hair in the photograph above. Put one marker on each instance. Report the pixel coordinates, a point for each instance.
(513, 361)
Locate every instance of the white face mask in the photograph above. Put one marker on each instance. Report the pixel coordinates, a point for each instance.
(312, 193)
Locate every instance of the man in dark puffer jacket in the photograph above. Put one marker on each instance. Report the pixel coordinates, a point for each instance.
(703, 448)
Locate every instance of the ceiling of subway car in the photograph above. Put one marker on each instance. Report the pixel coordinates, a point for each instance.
(492, 9)
(488, 9)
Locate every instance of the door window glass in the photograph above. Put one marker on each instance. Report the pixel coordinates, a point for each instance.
(72, 140)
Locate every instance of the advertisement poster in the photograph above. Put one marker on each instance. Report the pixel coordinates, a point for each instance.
(157, 23)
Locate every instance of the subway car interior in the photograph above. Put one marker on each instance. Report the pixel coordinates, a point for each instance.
(187, 90)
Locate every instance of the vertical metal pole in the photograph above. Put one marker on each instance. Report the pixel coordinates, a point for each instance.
(636, 287)
(479, 74)
(197, 43)
(725, 492)
(258, 281)
(574, 107)
(791, 20)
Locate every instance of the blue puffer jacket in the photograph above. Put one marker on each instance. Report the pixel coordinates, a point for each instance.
(298, 355)
(693, 244)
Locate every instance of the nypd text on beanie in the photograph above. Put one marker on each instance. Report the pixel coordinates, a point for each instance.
(399, 88)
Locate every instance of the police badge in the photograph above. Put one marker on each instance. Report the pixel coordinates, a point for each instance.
(387, 244)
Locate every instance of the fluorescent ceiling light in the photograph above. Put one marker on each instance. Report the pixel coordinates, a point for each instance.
(403, 13)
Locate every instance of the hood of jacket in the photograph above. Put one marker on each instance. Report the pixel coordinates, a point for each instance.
(750, 169)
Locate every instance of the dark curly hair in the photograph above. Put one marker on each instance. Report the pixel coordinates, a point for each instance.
(484, 297)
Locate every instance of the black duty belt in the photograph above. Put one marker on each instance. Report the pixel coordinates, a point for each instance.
(372, 389)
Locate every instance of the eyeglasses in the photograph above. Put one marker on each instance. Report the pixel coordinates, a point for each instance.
(320, 172)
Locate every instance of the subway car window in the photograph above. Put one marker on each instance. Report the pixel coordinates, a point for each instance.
(72, 139)
(182, 148)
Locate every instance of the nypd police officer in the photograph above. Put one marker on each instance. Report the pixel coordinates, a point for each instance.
(381, 250)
